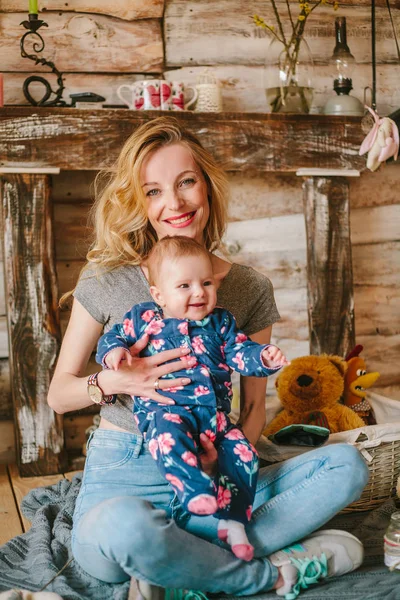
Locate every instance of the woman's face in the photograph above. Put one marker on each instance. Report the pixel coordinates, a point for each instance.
(176, 193)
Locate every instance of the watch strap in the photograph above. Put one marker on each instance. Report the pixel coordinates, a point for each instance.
(93, 380)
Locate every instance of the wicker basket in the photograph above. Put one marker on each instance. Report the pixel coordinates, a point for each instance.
(384, 470)
(379, 445)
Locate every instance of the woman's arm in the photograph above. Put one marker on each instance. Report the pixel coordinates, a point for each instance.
(68, 388)
(252, 396)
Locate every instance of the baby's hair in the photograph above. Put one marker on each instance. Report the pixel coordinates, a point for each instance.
(172, 248)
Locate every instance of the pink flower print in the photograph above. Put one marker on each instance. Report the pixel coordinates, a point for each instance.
(148, 315)
(239, 361)
(210, 434)
(223, 329)
(174, 389)
(174, 418)
(221, 421)
(234, 434)
(189, 458)
(222, 348)
(153, 447)
(198, 345)
(189, 435)
(240, 338)
(165, 442)
(228, 385)
(183, 328)
(244, 452)
(139, 103)
(223, 366)
(128, 327)
(174, 481)
(157, 344)
(204, 371)
(224, 497)
(201, 390)
(248, 512)
(154, 327)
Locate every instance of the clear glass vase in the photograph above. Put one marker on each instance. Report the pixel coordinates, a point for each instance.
(288, 77)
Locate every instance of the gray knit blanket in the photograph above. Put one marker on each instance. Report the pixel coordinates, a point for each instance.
(30, 560)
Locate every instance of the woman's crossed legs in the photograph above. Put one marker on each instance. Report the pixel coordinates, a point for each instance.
(123, 523)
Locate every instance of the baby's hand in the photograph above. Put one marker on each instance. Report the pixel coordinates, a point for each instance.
(116, 356)
(273, 357)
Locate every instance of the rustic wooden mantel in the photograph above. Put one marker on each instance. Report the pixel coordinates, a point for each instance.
(244, 142)
(43, 139)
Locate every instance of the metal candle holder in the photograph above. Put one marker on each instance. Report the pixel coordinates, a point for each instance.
(33, 25)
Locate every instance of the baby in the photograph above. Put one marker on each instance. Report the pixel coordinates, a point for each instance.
(184, 314)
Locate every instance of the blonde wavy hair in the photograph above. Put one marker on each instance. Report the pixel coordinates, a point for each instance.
(122, 232)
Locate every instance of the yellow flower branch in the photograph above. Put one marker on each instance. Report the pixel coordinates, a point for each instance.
(291, 43)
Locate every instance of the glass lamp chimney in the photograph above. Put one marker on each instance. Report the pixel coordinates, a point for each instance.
(342, 59)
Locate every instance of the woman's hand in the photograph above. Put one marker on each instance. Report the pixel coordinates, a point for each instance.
(209, 457)
(140, 377)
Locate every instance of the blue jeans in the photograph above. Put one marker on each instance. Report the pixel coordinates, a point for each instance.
(128, 522)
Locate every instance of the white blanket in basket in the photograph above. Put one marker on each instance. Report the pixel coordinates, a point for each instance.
(387, 415)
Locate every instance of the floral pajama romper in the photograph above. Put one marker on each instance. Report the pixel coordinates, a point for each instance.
(200, 407)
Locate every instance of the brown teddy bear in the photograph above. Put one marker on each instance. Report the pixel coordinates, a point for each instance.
(309, 390)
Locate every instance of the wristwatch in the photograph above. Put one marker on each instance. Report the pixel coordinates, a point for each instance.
(96, 393)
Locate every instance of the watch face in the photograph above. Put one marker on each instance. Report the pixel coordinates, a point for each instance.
(95, 394)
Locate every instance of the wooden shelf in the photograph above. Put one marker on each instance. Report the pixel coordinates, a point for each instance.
(73, 139)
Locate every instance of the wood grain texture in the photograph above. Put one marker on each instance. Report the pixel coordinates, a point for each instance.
(6, 406)
(329, 265)
(4, 347)
(373, 265)
(221, 32)
(73, 187)
(72, 233)
(9, 516)
(107, 44)
(7, 442)
(33, 322)
(70, 139)
(134, 9)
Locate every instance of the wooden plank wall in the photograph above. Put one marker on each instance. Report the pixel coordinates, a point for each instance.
(131, 40)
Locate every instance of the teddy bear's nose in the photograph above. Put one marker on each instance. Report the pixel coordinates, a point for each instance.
(304, 380)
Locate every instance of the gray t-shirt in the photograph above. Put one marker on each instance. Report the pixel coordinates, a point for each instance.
(247, 294)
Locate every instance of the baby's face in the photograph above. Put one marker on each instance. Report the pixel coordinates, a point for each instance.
(186, 288)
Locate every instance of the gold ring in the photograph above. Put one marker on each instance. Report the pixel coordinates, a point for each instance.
(156, 384)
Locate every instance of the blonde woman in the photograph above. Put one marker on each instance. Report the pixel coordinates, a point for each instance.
(127, 520)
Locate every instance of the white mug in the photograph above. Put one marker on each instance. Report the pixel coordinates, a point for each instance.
(178, 95)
